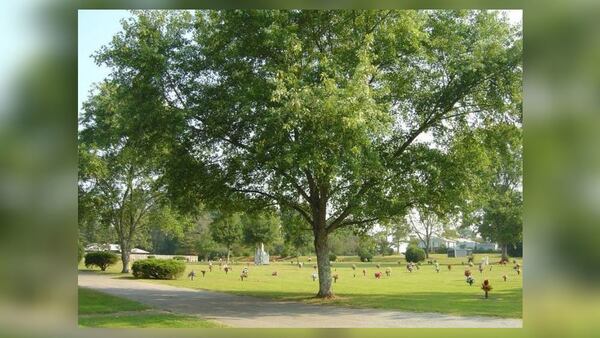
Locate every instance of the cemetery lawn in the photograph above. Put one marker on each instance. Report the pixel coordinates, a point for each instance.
(423, 290)
(97, 309)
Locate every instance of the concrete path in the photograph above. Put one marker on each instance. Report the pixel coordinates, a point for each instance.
(245, 311)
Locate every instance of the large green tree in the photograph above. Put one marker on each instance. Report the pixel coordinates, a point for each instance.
(497, 215)
(118, 175)
(124, 194)
(227, 229)
(261, 228)
(327, 113)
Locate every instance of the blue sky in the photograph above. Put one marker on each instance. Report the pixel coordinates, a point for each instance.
(95, 29)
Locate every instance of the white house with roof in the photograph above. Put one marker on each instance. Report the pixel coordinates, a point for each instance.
(116, 248)
(135, 253)
(436, 242)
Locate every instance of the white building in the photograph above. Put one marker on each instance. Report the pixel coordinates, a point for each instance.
(459, 243)
(438, 242)
(112, 248)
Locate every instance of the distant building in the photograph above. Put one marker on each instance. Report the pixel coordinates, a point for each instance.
(458, 252)
(486, 246)
(437, 242)
(116, 248)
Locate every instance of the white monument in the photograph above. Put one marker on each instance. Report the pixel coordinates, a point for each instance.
(260, 256)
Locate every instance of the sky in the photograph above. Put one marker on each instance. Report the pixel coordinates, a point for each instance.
(97, 27)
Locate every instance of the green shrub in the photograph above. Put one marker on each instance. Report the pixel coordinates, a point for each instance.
(180, 258)
(414, 254)
(101, 259)
(332, 257)
(365, 254)
(515, 250)
(158, 268)
(151, 257)
(80, 252)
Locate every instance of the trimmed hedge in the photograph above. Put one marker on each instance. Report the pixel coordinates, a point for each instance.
(158, 268)
(414, 254)
(332, 257)
(180, 258)
(101, 259)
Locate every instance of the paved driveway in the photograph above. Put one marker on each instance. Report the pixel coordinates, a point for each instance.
(245, 311)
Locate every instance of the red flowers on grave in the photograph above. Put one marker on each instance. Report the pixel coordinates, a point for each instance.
(486, 287)
(378, 274)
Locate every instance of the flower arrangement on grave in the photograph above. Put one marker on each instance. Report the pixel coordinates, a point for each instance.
(467, 273)
(486, 287)
(203, 272)
(449, 267)
(480, 267)
(388, 272)
(191, 275)
(470, 280)
(314, 276)
(517, 268)
(378, 266)
(409, 267)
(437, 267)
(505, 277)
(244, 274)
(226, 268)
(274, 273)
(378, 274)
(335, 278)
(364, 272)
(353, 266)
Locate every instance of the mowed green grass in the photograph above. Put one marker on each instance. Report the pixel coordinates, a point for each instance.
(95, 302)
(422, 290)
(98, 309)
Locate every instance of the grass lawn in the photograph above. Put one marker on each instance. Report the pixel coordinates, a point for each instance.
(97, 309)
(422, 290)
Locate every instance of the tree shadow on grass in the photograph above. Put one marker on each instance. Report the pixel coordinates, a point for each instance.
(257, 304)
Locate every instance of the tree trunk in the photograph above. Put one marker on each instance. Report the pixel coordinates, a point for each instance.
(125, 257)
(505, 252)
(322, 251)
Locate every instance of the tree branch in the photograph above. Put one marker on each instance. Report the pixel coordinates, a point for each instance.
(279, 199)
(353, 222)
